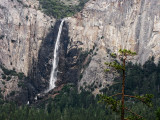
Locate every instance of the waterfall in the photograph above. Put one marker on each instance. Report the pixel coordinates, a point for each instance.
(53, 75)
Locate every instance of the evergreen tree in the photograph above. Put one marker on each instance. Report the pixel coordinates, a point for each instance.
(119, 105)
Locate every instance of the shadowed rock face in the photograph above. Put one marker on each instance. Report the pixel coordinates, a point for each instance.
(40, 72)
(69, 66)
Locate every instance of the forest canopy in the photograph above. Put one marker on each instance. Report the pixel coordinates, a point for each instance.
(71, 105)
(59, 10)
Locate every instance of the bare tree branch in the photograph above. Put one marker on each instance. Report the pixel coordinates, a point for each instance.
(133, 113)
(135, 97)
(116, 94)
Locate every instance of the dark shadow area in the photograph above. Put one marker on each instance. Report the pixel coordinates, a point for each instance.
(40, 72)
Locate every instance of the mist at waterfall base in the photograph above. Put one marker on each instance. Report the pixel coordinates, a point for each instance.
(55, 60)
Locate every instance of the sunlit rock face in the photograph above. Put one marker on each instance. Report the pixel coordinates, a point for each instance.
(22, 29)
(113, 24)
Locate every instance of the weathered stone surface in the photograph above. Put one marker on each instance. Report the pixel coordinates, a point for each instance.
(115, 24)
(22, 29)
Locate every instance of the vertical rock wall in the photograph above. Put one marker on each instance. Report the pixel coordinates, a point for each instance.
(113, 24)
(22, 30)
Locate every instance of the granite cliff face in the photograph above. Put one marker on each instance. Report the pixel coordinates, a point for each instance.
(22, 29)
(108, 25)
(27, 38)
(115, 24)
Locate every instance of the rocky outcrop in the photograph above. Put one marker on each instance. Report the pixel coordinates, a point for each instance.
(23, 28)
(115, 24)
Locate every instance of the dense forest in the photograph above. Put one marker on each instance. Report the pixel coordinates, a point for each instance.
(71, 105)
(60, 10)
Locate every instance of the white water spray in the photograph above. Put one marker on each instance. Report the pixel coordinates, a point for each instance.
(53, 76)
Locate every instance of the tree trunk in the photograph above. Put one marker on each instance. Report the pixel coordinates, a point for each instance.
(123, 86)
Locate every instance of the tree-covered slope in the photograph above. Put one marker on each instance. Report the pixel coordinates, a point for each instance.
(71, 105)
(59, 9)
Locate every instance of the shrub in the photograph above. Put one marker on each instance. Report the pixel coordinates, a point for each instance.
(100, 85)
(1, 96)
(11, 73)
(20, 76)
(90, 51)
(21, 84)
(6, 71)
(12, 93)
(95, 53)
(27, 18)
(3, 76)
(3, 82)
(8, 78)
(102, 37)
(81, 75)
(2, 36)
(20, 1)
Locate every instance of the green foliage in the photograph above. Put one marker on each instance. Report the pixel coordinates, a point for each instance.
(59, 10)
(111, 102)
(1, 96)
(20, 1)
(102, 37)
(3, 83)
(21, 84)
(81, 76)
(95, 53)
(139, 108)
(131, 117)
(10, 73)
(2, 36)
(8, 78)
(4, 77)
(113, 55)
(115, 65)
(68, 105)
(20, 75)
(27, 18)
(90, 51)
(142, 81)
(158, 114)
(82, 56)
(146, 99)
(12, 93)
(126, 52)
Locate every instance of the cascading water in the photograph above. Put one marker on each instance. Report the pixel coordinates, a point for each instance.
(53, 76)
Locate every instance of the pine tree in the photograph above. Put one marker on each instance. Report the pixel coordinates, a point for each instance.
(119, 105)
